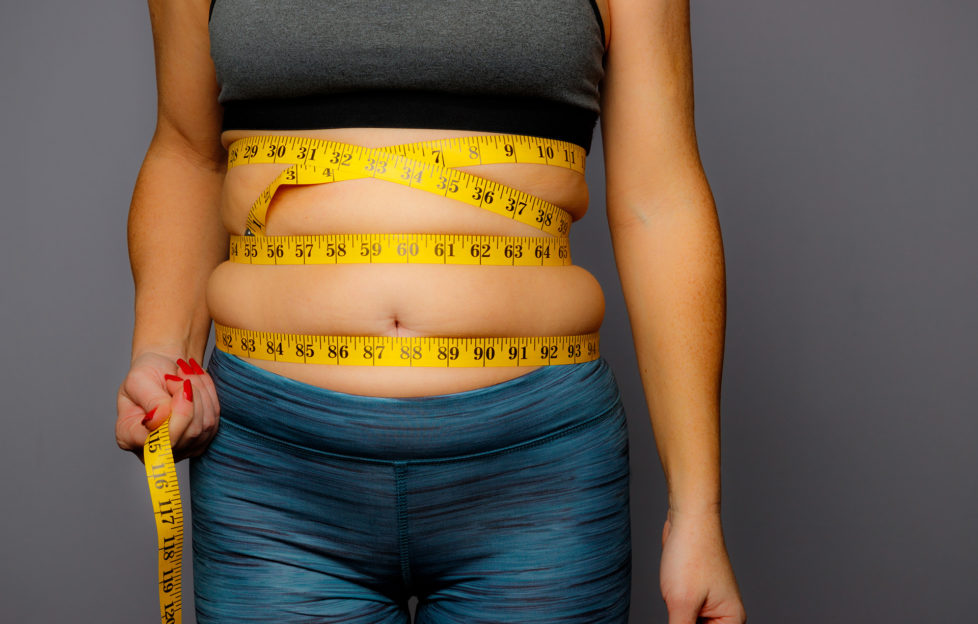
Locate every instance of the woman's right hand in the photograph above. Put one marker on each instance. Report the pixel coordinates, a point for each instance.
(158, 386)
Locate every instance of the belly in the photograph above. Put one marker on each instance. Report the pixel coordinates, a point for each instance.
(399, 300)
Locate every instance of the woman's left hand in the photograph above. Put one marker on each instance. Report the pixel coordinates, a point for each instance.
(695, 575)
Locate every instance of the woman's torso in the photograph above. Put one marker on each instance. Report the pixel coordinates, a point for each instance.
(398, 300)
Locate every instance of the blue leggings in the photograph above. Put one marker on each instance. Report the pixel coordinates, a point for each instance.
(507, 503)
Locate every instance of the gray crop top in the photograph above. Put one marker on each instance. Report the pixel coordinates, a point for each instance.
(510, 66)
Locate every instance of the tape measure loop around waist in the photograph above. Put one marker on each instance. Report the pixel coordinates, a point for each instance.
(430, 166)
(455, 152)
(427, 351)
(453, 249)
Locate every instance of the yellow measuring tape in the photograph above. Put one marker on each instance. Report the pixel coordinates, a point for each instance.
(483, 149)
(407, 351)
(165, 494)
(430, 166)
(454, 249)
(427, 166)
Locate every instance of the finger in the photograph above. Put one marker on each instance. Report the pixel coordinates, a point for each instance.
(201, 424)
(155, 417)
(131, 433)
(182, 411)
(197, 437)
(140, 415)
(204, 382)
(204, 388)
(203, 408)
(129, 412)
(173, 383)
(205, 379)
(193, 422)
(212, 409)
(188, 437)
(185, 368)
(144, 390)
(207, 405)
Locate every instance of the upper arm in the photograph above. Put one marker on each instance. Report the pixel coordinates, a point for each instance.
(651, 157)
(188, 113)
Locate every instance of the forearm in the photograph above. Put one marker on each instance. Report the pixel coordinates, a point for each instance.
(175, 241)
(670, 261)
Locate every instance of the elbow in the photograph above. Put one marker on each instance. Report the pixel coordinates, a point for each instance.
(627, 214)
(652, 210)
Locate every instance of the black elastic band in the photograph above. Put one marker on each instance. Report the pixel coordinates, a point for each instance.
(416, 109)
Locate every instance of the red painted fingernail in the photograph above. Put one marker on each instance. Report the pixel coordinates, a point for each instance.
(184, 367)
(172, 378)
(196, 367)
(188, 390)
(149, 416)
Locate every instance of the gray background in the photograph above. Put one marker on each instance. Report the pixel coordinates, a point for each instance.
(840, 141)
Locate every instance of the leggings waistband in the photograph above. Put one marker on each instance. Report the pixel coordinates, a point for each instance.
(538, 404)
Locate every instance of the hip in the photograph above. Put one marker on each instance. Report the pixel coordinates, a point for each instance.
(535, 408)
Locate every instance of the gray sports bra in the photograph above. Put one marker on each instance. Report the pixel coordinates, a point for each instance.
(510, 66)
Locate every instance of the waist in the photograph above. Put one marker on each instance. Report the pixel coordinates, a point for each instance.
(399, 300)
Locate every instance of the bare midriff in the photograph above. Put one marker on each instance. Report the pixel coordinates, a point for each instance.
(398, 300)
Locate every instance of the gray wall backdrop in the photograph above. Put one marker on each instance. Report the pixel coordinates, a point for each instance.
(840, 140)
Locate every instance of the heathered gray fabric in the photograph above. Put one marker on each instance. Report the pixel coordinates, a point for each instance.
(550, 49)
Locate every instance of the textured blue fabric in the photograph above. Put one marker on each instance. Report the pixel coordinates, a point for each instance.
(507, 503)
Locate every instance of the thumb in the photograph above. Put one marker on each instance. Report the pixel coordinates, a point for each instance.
(164, 403)
(142, 408)
(157, 415)
(144, 403)
(151, 402)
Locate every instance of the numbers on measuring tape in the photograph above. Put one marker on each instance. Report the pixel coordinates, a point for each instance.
(515, 205)
(486, 353)
(452, 152)
(411, 353)
(401, 248)
(165, 495)
(370, 352)
(341, 159)
(306, 153)
(429, 166)
(448, 353)
(408, 351)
